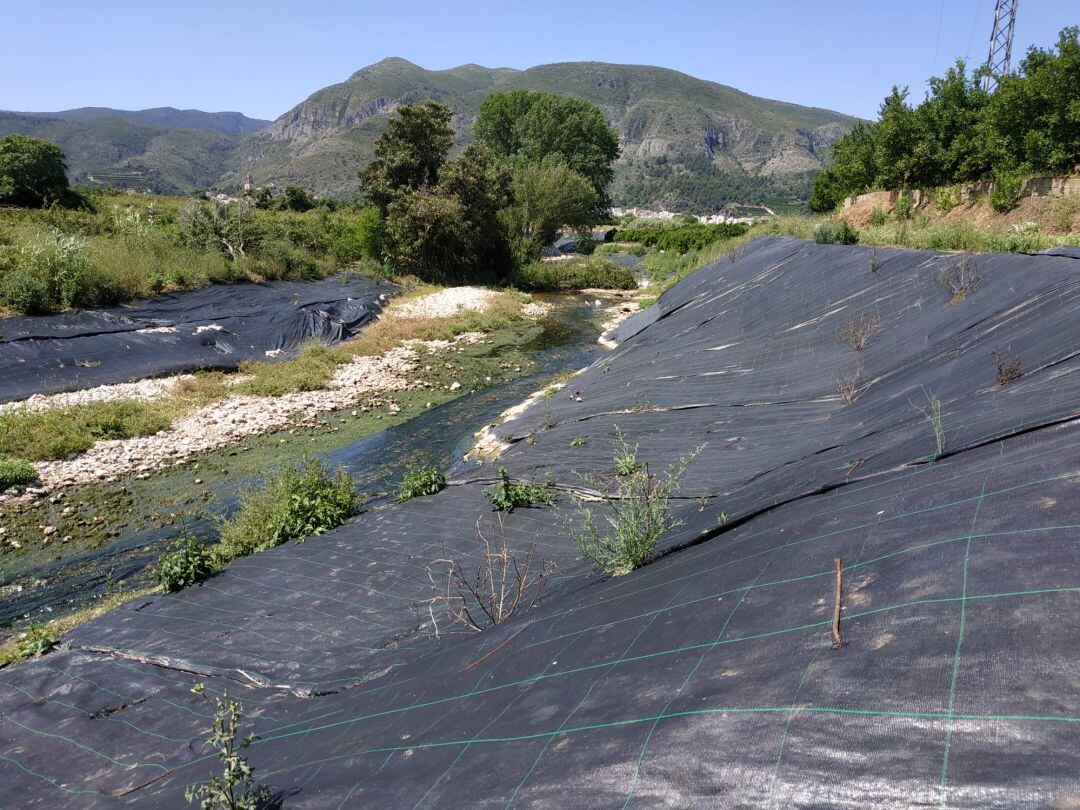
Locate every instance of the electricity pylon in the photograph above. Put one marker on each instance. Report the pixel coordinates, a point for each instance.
(1001, 41)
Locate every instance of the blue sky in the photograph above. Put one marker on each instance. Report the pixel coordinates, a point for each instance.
(261, 58)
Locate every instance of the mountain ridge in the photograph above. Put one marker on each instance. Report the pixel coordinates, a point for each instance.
(687, 143)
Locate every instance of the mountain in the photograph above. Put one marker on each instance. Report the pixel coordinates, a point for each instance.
(687, 143)
(230, 123)
(116, 152)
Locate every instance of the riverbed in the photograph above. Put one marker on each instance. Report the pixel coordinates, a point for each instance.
(110, 535)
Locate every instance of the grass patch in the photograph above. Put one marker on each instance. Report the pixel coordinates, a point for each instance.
(311, 370)
(46, 435)
(578, 273)
(293, 503)
(15, 472)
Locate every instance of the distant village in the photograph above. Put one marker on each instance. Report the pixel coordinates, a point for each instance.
(704, 219)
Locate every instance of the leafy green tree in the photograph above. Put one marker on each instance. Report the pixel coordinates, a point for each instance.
(1033, 117)
(453, 232)
(409, 155)
(549, 195)
(296, 199)
(960, 133)
(532, 126)
(33, 172)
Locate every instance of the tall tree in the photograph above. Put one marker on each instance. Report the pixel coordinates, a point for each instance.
(530, 126)
(409, 154)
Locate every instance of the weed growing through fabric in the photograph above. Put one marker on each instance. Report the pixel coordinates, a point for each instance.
(960, 279)
(188, 564)
(500, 587)
(421, 481)
(873, 260)
(508, 494)
(235, 788)
(1008, 370)
(850, 388)
(626, 460)
(35, 640)
(932, 412)
(639, 516)
(578, 442)
(856, 333)
(294, 503)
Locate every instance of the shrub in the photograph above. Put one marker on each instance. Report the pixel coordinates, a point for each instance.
(574, 274)
(236, 787)
(1007, 186)
(15, 472)
(947, 198)
(36, 639)
(53, 271)
(856, 333)
(508, 494)
(281, 259)
(843, 233)
(187, 564)
(1008, 369)
(501, 587)
(960, 278)
(905, 206)
(680, 238)
(294, 503)
(626, 461)
(586, 244)
(639, 515)
(420, 481)
(878, 218)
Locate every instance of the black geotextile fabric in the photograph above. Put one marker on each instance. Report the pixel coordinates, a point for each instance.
(212, 328)
(708, 677)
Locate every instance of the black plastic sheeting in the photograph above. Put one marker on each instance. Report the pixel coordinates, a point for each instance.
(212, 328)
(708, 677)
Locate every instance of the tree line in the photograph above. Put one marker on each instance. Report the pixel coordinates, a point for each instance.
(961, 133)
(539, 163)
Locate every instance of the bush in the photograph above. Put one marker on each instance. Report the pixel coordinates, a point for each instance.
(53, 271)
(294, 503)
(905, 206)
(878, 218)
(420, 481)
(828, 233)
(508, 494)
(586, 244)
(188, 564)
(16, 472)
(639, 516)
(1007, 186)
(574, 274)
(281, 259)
(680, 238)
(36, 640)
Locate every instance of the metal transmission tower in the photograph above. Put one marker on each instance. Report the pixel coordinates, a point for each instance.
(998, 62)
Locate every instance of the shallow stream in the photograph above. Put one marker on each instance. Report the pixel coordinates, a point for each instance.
(124, 528)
